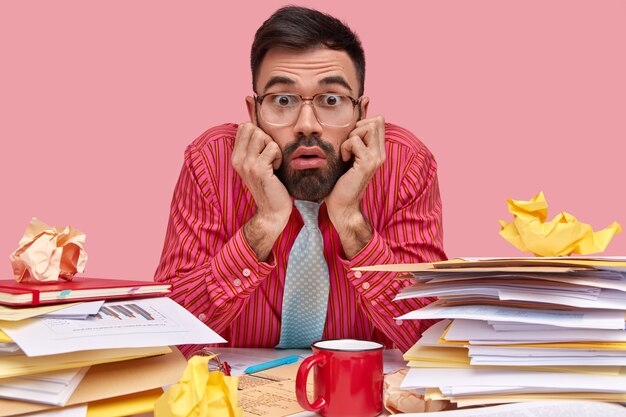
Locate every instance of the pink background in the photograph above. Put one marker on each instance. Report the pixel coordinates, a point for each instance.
(99, 99)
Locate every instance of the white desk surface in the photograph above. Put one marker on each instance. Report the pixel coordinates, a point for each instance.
(241, 358)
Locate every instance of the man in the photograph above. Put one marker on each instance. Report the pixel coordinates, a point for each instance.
(236, 250)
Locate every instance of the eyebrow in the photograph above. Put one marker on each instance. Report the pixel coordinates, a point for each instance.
(332, 80)
(336, 80)
(278, 80)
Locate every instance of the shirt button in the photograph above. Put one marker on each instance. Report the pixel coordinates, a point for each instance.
(246, 272)
(358, 274)
(366, 285)
(237, 282)
(202, 317)
(399, 322)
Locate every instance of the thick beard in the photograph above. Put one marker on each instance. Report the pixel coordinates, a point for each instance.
(311, 184)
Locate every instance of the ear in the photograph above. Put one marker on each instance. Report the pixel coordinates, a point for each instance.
(251, 105)
(365, 102)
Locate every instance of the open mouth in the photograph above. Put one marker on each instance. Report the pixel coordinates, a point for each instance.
(308, 158)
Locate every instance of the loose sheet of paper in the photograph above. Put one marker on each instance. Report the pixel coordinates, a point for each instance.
(21, 313)
(79, 311)
(121, 324)
(538, 408)
(547, 361)
(440, 377)
(592, 319)
(18, 365)
(53, 388)
(75, 411)
(515, 351)
(479, 332)
(271, 393)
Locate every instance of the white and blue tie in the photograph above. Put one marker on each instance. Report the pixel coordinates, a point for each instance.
(305, 297)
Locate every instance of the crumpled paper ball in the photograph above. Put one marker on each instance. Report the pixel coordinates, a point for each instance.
(398, 400)
(200, 392)
(48, 253)
(564, 235)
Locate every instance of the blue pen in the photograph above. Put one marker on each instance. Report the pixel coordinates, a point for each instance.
(271, 364)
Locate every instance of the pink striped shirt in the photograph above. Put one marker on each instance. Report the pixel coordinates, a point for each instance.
(217, 277)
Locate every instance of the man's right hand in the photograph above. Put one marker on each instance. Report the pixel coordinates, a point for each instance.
(255, 156)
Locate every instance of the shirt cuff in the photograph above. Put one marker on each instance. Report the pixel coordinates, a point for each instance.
(237, 269)
(375, 252)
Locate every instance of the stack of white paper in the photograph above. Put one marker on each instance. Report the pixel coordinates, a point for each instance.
(50, 388)
(45, 357)
(519, 329)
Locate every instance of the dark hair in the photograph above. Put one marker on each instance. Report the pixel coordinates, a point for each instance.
(300, 28)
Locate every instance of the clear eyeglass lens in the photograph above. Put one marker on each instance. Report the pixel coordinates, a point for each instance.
(330, 109)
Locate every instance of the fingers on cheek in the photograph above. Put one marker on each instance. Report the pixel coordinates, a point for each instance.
(272, 151)
(369, 133)
(347, 149)
(257, 143)
(268, 156)
(275, 156)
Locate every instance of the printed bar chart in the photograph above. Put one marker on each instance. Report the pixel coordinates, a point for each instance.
(123, 311)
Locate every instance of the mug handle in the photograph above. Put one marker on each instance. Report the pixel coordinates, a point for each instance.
(301, 377)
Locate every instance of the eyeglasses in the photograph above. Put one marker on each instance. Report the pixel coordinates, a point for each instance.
(282, 109)
(215, 363)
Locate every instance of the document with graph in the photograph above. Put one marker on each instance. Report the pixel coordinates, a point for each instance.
(119, 324)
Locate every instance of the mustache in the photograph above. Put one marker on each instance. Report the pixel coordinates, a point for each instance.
(308, 141)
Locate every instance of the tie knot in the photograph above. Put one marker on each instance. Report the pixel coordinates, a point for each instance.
(309, 211)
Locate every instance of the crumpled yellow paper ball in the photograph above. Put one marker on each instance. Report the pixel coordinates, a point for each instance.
(200, 392)
(564, 235)
(48, 253)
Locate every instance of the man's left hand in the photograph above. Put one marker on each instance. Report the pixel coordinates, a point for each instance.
(366, 144)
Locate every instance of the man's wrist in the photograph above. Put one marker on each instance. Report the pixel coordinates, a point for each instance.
(261, 233)
(354, 231)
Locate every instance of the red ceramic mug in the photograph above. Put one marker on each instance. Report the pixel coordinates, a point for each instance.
(348, 378)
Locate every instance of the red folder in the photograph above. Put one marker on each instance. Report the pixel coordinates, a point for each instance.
(15, 293)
